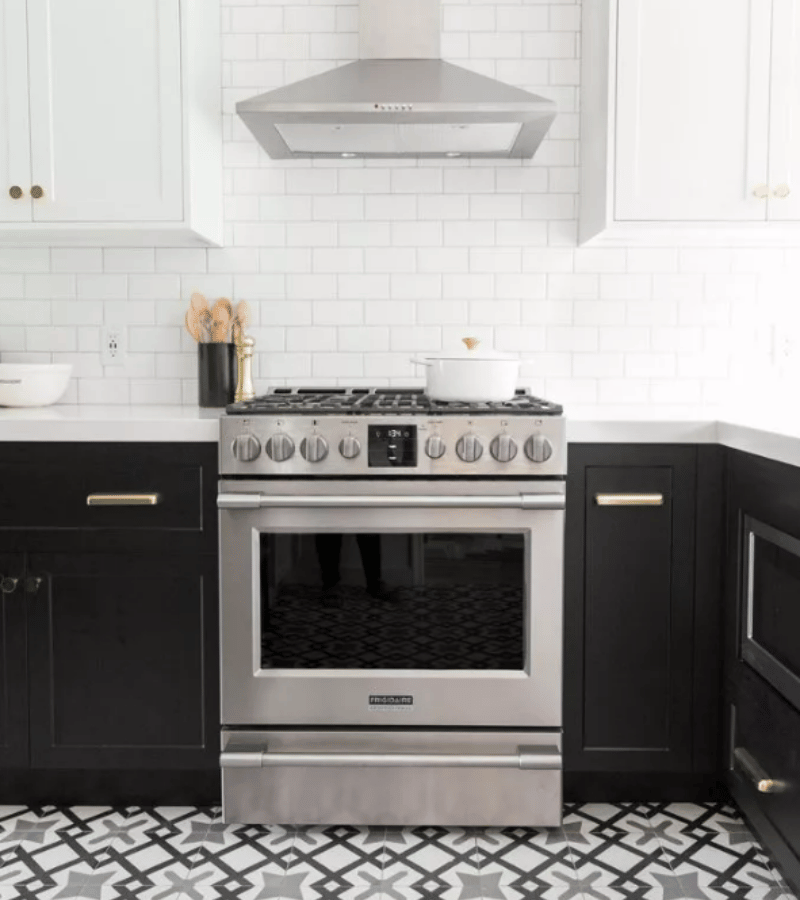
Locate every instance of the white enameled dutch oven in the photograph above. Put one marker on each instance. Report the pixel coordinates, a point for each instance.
(472, 376)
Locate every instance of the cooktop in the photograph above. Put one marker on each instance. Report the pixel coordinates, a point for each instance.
(380, 401)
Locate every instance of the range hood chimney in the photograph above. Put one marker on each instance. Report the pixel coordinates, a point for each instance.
(398, 100)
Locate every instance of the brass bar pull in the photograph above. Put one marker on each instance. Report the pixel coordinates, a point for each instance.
(629, 499)
(123, 499)
(752, 769)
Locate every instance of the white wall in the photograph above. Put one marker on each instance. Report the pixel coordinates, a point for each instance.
(351, 267)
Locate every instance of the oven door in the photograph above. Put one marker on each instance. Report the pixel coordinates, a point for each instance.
(391, 603)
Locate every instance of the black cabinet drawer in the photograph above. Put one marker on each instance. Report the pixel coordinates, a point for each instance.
(51, 490)
(767, 729)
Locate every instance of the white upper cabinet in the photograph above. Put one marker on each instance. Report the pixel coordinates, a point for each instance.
(15, 151)
(690, 120)
(121, 140)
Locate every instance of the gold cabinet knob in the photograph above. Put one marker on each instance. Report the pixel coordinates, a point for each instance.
(37, 192)
(761, 191)
(15, 192)
(781, 192)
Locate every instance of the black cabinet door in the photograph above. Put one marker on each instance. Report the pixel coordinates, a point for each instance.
(122, 658)
(629, 610)
(13, 670)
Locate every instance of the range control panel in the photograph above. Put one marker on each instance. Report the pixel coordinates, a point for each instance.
(392, 445)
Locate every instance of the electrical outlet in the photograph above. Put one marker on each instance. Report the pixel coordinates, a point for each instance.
(112, 345)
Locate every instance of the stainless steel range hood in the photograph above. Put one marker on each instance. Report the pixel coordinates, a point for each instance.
(398, 100)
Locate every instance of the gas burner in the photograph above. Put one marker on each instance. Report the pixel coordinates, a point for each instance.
(384, 401)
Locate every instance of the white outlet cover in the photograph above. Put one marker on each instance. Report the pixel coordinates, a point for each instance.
(113, 345)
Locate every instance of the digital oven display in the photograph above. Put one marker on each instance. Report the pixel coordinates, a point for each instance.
(392, 446)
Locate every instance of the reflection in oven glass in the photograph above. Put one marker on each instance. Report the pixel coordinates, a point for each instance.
(393, 601)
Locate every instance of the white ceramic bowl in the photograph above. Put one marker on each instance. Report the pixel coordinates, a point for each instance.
(24, 384)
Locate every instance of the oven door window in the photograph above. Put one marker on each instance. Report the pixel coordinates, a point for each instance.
(436, 601)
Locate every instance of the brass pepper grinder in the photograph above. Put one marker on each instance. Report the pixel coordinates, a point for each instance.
(244, 369)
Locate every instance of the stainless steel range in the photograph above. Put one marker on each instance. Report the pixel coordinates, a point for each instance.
(391, 589)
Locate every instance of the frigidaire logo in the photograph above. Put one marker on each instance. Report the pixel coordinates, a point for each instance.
(391, 701)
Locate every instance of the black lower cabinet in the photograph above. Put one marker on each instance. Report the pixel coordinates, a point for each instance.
(13, 663)
(118, 654)
(634, 724)
(109, 665)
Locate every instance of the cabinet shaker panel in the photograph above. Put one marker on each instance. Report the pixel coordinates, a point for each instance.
(692, 113)
(120, 650)
(106, 116)
(630, 615)
(628, 611)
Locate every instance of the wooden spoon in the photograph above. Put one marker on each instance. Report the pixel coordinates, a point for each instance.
(221, 314)
(219, 332)
(192, 324)
(206, 324)
(242, 320)
(198, 302)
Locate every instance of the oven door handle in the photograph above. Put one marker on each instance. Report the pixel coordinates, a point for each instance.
(403, 501)
(525, 758)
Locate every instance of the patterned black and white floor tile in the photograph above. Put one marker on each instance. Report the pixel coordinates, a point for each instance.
(632, 851)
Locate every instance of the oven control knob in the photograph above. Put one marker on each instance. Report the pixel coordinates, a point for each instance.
(349, 447)
(246, 447)
(503, 448)
(314, 448)
(280, 447)
(435, 447)
(538, 449)
(469, 448)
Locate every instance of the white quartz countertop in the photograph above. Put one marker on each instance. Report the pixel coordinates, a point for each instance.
(775, 435)
(111, 423)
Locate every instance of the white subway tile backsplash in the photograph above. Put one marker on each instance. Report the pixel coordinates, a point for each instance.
(524, 287)
(153, 287)
(76, 259)
(24, 259)
(334, 312)
(139, 259)
(390, 259)
(49, 287)
(495, 312)
(501, 259)
(354, 339)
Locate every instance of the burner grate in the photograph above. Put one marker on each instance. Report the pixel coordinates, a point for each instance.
(365, 401)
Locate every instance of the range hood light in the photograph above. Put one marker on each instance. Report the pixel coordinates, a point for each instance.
(452, 154)
(348, 155)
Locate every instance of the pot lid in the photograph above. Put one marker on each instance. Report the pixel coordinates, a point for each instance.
(472, 350)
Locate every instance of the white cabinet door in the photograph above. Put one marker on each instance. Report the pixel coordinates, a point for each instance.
(15, 162)
(692, 114)
(784, 133)
(105, 106)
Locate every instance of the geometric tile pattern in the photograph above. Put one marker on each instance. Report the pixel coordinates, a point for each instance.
(630, 851)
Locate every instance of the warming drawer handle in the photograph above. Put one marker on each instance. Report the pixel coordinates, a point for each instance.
(525, 758)
(123, 499)
(629, 499)
(403, 501)
(753, 770)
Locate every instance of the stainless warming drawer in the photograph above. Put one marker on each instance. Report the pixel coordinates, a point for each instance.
(392, 778)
